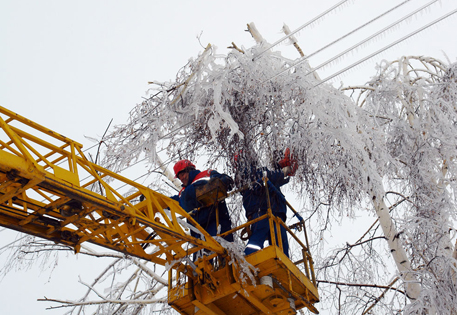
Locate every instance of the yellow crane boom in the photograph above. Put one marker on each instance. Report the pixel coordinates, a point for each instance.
(48, 188)
(42, 194)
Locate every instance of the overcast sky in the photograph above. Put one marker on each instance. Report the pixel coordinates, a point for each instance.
(72, 66)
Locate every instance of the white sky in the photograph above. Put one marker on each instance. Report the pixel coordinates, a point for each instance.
(72, 66)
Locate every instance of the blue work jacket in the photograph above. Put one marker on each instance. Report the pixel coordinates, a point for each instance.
(207, 215)
(255, 197)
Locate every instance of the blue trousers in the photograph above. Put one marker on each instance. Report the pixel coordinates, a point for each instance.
(261, 232)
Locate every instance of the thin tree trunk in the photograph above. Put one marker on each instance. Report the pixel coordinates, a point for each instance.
(402, 262)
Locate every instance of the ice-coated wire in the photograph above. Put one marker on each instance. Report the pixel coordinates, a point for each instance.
(341, 38)
(374, 35)
(359, 43)
(387, 47)
(357, 29)
(300, 28)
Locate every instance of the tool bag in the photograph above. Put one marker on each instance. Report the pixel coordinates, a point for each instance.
(211, 192)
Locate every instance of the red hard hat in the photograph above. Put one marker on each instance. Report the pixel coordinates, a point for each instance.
(181, 166)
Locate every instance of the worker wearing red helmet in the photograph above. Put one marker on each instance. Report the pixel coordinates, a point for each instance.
(191, 178)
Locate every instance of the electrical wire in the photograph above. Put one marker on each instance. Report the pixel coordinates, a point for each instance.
(409, 15)
(305, 58)
(358, 28)
(388, 46)
(300, 28)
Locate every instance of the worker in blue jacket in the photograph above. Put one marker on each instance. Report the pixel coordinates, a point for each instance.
(255, 201)
(205, 216)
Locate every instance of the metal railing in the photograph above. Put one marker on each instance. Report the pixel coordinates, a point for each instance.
(306, 261)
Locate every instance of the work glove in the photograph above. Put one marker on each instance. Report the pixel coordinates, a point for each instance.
(228, 182)
(288, 164)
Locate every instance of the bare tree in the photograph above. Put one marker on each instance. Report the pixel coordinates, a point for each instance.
(413, 101)
(135, 286)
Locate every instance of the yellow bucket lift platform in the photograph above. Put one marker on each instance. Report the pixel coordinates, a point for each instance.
(279, 286)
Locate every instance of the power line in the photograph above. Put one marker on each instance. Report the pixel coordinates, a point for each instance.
(358, 28)
(300, 28)
(387, 47)
(304, 59)
(359, 43)
(373, 36)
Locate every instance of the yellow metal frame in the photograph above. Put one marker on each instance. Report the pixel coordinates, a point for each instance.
(40, 186)
(233, 295)
(48, 188)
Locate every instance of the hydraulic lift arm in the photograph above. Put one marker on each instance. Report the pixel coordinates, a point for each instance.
(48, 188)
(42, 193)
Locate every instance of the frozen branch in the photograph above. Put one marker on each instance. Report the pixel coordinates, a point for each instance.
(151, 273)
(104, 301)
(362, 285)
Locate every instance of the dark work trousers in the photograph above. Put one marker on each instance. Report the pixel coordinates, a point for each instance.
(211, 227)
(261, 232)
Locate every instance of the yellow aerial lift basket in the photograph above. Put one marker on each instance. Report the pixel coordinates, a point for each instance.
(280, 286)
